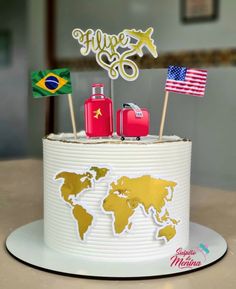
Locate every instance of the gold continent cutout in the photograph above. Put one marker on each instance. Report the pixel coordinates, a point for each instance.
(127, 194)
(73, 185)
(124, 196)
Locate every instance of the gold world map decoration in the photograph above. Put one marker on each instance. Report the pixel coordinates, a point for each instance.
(124, 196)
(113, 52)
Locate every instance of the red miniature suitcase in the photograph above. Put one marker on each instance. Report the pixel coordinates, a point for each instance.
(131, 121)
(98, 113)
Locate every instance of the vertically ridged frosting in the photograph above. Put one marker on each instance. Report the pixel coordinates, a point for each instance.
(169, 160)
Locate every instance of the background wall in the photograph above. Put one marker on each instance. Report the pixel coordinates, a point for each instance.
(21, 117)
(170, 33)
(14, 82)
(209, 122)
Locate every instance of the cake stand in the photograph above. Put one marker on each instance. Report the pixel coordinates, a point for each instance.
(205, 248)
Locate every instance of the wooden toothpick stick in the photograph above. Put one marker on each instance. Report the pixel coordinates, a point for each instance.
(72, 115)
(112, 95)
(163, 114)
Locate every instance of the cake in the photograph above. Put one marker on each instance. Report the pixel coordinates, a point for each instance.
(109, 200)
(116, 199)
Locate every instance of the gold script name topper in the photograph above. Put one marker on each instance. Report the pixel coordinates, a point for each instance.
(113, 51)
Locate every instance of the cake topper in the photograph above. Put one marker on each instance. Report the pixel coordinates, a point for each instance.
(183, 80)
(132, 121)
(113, 52)
(51, 82)
(54, 82)
(98, 113)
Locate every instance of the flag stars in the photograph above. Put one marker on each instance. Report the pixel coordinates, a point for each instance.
(176, 73)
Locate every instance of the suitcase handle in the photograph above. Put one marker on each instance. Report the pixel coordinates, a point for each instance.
(137, 110)
(98, 89)
(97, 95)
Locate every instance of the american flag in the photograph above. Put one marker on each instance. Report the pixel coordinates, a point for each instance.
(186, 80)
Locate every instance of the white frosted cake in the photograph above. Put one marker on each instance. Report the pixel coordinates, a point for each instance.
(116, 201)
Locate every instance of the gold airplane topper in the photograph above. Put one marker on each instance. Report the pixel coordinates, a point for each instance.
(144, 39)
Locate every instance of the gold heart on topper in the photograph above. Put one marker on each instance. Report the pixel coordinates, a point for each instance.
(113, 73)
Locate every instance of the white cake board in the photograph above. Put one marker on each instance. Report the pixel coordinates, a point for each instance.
(26, 244)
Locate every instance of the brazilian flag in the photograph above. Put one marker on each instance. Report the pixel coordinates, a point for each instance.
(51, 82)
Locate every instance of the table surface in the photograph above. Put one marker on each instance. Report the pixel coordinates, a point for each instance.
(21, 202)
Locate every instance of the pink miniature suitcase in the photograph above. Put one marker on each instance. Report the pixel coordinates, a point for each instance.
(98, 113)
(132, 121)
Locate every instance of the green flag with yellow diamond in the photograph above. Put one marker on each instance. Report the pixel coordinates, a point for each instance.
(51, 82)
